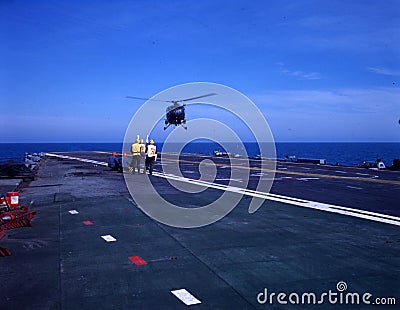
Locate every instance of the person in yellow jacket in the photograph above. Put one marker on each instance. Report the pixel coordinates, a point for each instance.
(135, 163)
(151, 156)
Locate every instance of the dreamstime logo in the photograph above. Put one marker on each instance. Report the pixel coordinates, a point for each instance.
(341, 286)
(148, 119)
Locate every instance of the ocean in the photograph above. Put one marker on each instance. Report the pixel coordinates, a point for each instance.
(347, 154)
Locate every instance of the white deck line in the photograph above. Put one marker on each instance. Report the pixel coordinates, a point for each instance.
(186, 297)
(77, 158)
(378, 217)
(373, 216)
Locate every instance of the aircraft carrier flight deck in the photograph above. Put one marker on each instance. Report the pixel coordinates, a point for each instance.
(320, 229)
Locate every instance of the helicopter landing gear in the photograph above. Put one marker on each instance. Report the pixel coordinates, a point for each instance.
(183, 124)
(167, 124)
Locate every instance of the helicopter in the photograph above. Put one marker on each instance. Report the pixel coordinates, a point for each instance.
(175, 113)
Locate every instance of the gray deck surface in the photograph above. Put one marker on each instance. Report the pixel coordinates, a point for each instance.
(60, 263)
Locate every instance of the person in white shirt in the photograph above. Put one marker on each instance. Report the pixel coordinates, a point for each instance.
(151, 156)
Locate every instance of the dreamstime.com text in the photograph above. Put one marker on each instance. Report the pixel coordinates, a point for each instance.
(340, 297)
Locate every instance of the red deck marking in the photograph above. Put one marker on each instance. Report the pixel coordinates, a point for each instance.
(87, 223)
(137, 260)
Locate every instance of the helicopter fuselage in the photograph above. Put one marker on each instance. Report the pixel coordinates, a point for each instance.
(175, 115)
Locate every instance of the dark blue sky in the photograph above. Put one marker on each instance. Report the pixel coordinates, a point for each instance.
(318, 70)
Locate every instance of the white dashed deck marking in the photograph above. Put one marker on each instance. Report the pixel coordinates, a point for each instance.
(353, 187)
(108, 238)
(186, 297)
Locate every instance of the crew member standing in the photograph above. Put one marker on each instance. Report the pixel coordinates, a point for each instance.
(142, 153)
(151, 153)
(135, 163)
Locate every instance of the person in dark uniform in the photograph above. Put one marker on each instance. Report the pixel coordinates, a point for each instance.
(113, 162)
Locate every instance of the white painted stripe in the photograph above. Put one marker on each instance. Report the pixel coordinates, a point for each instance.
(186, 297)
(227, 179)
(258, 174)
(378, 217)
(108, 238)
(373, 216)
(353, 187)
(78, 159)
(73, 212)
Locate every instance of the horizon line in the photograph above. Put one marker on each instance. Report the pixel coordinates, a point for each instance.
(97, 142)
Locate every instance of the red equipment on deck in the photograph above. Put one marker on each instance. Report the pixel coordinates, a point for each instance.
(13, 216)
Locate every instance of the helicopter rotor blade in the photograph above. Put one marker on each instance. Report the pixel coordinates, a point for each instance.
(139, 98)
(172, 101)
(198, 97)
